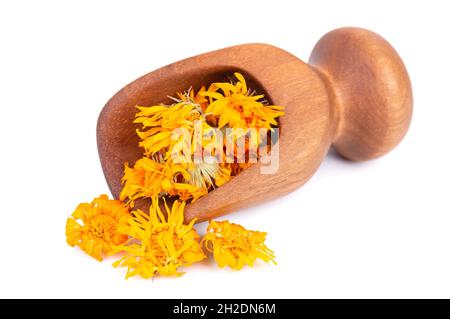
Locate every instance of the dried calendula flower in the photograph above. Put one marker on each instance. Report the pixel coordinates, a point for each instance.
(159, 243)
(97, 233)
(160, 122)
(208, 173)
(149, 178)
(236, 106)
(234, 246)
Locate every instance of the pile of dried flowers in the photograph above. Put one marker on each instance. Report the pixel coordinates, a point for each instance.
(172, 136)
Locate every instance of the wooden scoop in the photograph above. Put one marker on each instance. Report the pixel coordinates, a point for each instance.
(354, 94)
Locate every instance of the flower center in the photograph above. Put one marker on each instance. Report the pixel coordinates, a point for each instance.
(102, 226)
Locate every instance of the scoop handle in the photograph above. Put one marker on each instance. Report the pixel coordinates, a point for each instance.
(371, 90)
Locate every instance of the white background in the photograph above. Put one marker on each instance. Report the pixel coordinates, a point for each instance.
(373, 229)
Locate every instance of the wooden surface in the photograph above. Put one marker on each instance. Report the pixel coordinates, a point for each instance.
(372, 91)
(356, 94)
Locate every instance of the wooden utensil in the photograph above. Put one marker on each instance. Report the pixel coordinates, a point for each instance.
(354, 94)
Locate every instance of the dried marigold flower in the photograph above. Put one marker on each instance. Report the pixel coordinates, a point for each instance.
(159, 243)
(209, 173)
(234, 105)
(234, 246)
(97, 233)
(149, 178)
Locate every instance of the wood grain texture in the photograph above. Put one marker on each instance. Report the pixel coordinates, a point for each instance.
(372, 91)
(355, 94)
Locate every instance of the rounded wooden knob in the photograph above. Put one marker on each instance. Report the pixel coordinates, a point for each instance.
(370, 88)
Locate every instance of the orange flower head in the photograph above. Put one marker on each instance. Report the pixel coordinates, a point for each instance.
(234, 246)
(149, 178)
(160, 243)
(93, 227)
(236, 106)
